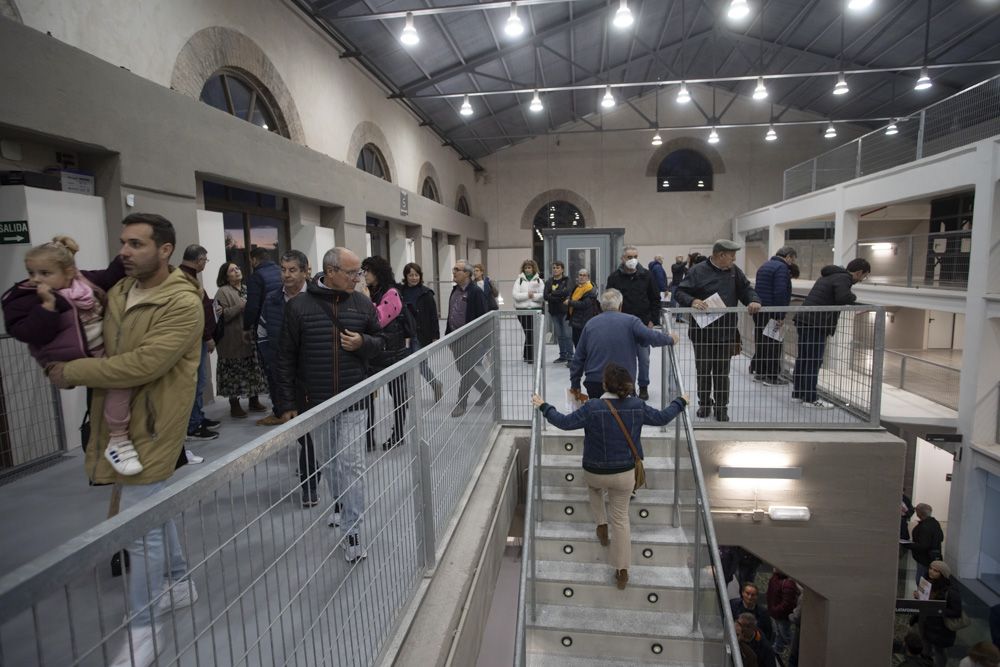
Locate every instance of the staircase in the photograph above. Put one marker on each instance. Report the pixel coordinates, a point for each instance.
(580, 617)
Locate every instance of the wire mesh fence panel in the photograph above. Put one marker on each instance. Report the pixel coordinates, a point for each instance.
(782, 367)
(933, 381)
(31, 428)
(303, 547)
(962, 119)
(940, 260)
(517, 358)
(799, 179)
(837, 166)
(881, 151)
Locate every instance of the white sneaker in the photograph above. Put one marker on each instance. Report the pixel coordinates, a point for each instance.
(185, 594)
(334, 520)
(796, 400)
(123, 458)
(822, 405)
(192, 457)
(141, 653)
(354, 551)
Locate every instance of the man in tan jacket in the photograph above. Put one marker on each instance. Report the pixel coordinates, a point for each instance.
(152, 336)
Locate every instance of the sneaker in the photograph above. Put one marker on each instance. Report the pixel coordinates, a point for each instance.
(438, 390)
(796, 399)
(141, 652)
(722, 414)
(644, 393)
(123, 458)
(184, 595)
(756, 378)
(334, 521)
(354, 551)
(485, 397)
(822, 405)
(311, 499)
(560, 360)
(775, 382)
(458, 411)
(192, 457)
(202, 433)
(270, 420)
(210, 423)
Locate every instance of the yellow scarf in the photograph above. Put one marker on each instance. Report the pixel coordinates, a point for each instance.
(579, 293)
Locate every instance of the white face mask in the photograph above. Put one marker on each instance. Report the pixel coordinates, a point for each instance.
(631, 263)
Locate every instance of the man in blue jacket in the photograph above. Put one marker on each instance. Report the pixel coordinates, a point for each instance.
(466, 303)
(774, 287)
(266, 277)
(659, 274)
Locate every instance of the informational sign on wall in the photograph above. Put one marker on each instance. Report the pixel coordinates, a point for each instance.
(14, 232)
(404, 203)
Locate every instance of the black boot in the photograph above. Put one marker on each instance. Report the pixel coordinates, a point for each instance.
(394, 441)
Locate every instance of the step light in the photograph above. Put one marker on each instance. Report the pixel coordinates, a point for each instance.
(568, 510)
(567, 549)
(653, 598)
(644, 514)
(568, 446)
(647, 553)
(570, 477)
(567, 592)
(566, 641)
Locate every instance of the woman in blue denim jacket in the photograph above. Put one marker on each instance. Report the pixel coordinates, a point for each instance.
(608, 461)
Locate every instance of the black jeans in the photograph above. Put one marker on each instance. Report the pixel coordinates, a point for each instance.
(308, 474)
(528, 324)
(766, 360)
(467, 356)
(399, 393)
(812, 345)
(576, 336)
(712, 361)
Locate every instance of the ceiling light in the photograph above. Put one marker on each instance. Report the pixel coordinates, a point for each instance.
(466, 109)
(891, 129)
(760, 92)
(536, 103)
(683, 96)
(924, 82)
(713, 137)
(859, 5)
(841, 87)
(657, 139)
(409, 36)
(514, 27)
(771, 134)
(608, 100)
(831, 132)
(738, 9)
(623, 17)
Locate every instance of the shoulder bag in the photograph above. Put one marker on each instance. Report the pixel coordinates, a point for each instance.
(956, 624)
(640, 471)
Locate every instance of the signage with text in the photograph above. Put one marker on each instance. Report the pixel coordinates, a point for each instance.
(14, 232)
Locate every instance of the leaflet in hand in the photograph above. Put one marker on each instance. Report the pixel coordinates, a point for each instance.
(704, 319)
(774, 330)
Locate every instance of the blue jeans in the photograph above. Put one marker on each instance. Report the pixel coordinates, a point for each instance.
(340, 447)
(805, 377)
(269, 360)
(156, 555)
(425, 369)
(197, 416)
(642, 353)
(562, 333)
(782, 634)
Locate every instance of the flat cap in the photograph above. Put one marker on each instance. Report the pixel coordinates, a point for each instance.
(725, 245)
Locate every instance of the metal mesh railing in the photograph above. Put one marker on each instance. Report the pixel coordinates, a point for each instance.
(31, 427)
(967, 116)
(817, 369)
(940, 260)
(243, 561)
(934, 381)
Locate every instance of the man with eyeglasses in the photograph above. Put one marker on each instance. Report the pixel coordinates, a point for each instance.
(328, 337)
(466, 303)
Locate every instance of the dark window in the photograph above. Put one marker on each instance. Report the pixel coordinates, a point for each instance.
(463, 205)
(250, 220)
(236, 95)
(552, 215)
(684, 170)
(370, 160)
(429, 189)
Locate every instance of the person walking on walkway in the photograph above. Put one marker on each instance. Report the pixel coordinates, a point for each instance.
(465, 304)
(640, 297)
(238, 372)
(928, 538)
(612, 443)
(528, 293)
(582, 305)
(420, 300)
(557, 293)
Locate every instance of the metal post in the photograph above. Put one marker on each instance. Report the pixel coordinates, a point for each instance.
(677, 472)
(699, 516)
(878, 358)
(497, 367)
(857, 160)
(427, 495)
(909, 263)
(920, 134)
(813, 188)
(902, 373)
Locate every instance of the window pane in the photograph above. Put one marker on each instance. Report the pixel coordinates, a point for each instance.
(213, 190)
(261, 116)
(236, 251)
(266, 233)
(243, 196)
(213, 95)
(240, 94)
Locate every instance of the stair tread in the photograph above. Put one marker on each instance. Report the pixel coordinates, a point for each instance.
(653, 534)
(618, 622)
(538, 659)
(647, 576)
(572, 459)
(644, 496)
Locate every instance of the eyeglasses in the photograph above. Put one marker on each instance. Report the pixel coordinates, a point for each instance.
(356, 275)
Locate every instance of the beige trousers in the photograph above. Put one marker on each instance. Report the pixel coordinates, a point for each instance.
(619, 489)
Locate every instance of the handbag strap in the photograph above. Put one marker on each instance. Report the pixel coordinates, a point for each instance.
(621, 424)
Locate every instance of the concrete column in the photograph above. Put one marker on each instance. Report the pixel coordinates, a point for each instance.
(397, 247)
(775, 240)
(845, 236)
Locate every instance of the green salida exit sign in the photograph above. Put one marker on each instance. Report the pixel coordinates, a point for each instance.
(14, 232)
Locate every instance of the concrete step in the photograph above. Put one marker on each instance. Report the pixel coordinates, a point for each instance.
(567, 443)
(650, 506)
(651, 545)
(561, 470)
(624, 634)
(651, 588)
(555, 660)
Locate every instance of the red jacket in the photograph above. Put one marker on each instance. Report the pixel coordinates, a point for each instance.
(782, 595)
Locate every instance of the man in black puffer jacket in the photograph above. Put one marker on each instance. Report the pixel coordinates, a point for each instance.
(321, 367)
(832, 289)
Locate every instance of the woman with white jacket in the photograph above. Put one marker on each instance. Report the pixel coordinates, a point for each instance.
(528, 290)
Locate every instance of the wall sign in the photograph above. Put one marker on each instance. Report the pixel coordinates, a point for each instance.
(14, 232)
(404, 203)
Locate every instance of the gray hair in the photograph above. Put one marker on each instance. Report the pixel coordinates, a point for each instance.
(923, 510)
(331, 260)
(583, 272)
(629, 247)
(786, 251)
(747, 620)
(298, 257)
(611, 300)
(465, 265)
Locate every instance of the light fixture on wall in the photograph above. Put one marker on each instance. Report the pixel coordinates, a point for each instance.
(608, 101)
(751, 472)
(760, 91)
(683, 96)
(891, 129)
(409, 36)
(831, 131)
(623, 17)
(738, 10)
(536, 103)
(513, 27)
(657, 139)
(771, 134)
(841, 87)
(466, 108)
(713, 137)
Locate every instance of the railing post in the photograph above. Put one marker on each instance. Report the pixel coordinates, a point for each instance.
(878, 358)
(857, 160)
(920, 134)
(497, 367)
(902, 373)
(427, 495)
(695, 607)
(813, 187)
(909, 264)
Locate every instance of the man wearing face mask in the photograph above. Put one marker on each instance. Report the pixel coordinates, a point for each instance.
(640, 297)
(715, 344)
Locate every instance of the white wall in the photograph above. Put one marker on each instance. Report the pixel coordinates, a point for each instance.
(929, 484)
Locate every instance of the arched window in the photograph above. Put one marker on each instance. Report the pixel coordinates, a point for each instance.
(553, 214)
(684, 170)
(429, 189)
(463, 205)
(370, 160)
(235, 94)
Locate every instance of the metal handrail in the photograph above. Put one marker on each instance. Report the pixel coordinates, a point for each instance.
(701, 499)
(526, 596)
(936, 364)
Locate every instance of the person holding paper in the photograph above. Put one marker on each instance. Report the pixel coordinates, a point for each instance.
(716, 283)
(774, 287)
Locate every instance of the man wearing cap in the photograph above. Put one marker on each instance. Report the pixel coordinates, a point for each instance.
(715, 344)
(774, 286)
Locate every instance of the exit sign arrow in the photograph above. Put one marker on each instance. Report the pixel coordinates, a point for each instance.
(14, 232)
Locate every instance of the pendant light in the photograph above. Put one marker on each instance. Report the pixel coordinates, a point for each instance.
(513, 27)
(738, 10)
(683, 96)
(831, 131)
(409, 36)
(657, 139)
(924, 80)
(713, 136)
(891, 129)
(608, 101)
(760, 92)
(771, 134)
(466, 109)
(859, 5)
(623, 17)
(536, 103)
(841, 87)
